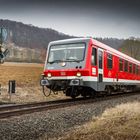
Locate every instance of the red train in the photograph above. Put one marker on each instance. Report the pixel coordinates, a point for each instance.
(84, 66)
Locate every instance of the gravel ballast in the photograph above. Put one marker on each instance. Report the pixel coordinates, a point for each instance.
(56, 122)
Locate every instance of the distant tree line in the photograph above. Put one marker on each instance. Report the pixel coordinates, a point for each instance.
(131, 47)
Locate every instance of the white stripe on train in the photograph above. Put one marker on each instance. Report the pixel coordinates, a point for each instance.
(120, 80)
(91, 78)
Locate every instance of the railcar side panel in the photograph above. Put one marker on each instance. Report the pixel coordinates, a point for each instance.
(102, 68)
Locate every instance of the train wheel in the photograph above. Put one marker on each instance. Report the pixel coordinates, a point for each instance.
(84, 96)
(73, 96)
(74, 92)
(84, 93)
(109, 90)
(94, 94)
(68, 92)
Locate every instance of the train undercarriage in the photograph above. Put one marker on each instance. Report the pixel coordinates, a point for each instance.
(73, 88)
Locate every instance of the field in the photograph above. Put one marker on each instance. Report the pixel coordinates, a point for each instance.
(27, 76)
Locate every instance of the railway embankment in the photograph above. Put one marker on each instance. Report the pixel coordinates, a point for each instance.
(54, 124)
(119, 123)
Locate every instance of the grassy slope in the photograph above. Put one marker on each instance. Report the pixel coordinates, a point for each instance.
(119, 123)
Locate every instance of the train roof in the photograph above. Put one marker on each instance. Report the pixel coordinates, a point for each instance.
(71, 40)
(99, 44)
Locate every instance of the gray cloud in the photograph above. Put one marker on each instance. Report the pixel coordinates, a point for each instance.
(102, 18)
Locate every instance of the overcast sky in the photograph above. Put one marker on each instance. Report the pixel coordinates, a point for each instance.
(96, 18)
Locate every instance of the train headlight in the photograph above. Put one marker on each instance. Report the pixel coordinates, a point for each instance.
(78, 74)
(49, 75)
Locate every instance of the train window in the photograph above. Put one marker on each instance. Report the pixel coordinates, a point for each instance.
(130, 67)
(134, 68)
(126, 66)
(100, 59)
(137, 69)
(120, 64)
(109, 61)
(94, 57)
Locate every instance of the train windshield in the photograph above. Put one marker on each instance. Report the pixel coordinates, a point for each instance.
(67, 52)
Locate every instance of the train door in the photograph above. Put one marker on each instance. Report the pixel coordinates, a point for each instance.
(100, 65)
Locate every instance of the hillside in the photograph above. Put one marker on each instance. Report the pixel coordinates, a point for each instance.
(28, 43)
(29, 36)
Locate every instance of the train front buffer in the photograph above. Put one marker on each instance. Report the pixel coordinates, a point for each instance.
(64, 83)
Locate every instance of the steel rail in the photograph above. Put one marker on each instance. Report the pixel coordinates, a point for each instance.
(35, 104)
(17, 110)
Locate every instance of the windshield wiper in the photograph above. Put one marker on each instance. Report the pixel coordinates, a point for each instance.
(68, 60)
(55, 61)
(73, 60)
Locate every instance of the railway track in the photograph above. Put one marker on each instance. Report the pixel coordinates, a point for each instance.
(16, 110)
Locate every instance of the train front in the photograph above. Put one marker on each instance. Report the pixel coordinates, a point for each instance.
(65, 67)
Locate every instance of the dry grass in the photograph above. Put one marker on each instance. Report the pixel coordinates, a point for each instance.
(24, 74)
(27, 78)
(119, 123)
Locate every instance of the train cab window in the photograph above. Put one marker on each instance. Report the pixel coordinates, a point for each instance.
(130, 67)
(121, 64)
(126, 66)
(109, 61)
(94, 57)
(134, 68)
